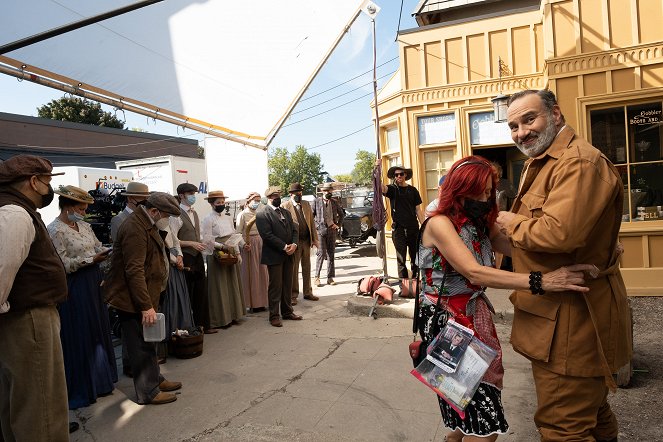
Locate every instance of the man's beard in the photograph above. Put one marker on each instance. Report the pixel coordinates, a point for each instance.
(543, 141)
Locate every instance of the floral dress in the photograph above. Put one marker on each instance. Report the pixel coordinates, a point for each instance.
(468, 305)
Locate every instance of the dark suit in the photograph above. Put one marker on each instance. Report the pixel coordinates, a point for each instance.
(276, 232)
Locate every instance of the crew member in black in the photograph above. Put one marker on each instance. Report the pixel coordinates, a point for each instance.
(406, 214)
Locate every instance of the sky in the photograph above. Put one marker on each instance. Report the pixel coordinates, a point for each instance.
(333, 118)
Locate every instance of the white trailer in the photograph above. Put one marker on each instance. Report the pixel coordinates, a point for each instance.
(87, 178)
(165, 173)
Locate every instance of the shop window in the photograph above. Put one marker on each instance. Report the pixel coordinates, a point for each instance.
(437, 129)
(436, 165)
(630, 136)
(392, 139)
(393, 160)
(484, 130)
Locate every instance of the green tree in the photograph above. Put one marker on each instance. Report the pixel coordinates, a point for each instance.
(290, 167)
(344, 178)
(79, 110)
(362, 174)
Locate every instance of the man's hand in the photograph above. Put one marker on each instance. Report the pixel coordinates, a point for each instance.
(333, 227)
(378, 161)
(619, 248)
(503, 221)
(198, 246)
(247, 247)
(101, 256)
(290, 248)
(179, 262)
(149, 317)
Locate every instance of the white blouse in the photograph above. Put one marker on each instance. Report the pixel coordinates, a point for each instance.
(216, 225)
(76, 249)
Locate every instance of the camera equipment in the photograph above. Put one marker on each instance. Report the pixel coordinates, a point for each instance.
(105, 206)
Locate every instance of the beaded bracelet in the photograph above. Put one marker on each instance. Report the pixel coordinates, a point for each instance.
(535, 283)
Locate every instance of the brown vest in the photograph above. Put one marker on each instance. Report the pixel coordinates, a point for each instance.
(41, 279)
(188, 232)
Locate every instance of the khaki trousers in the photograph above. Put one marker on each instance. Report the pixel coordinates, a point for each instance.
(572, 409)
(33, 389)
(302, 255)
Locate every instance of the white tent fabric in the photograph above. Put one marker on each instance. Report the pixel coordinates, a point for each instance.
(235, 66)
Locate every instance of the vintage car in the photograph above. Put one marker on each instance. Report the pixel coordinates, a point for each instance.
(358, 222)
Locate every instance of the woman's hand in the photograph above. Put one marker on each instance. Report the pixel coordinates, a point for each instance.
(568, 278)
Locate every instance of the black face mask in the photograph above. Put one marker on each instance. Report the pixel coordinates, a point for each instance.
(328, 196)
(477, 209)
(219, 209)
(297, 198)
(276, 202)
(48, 198)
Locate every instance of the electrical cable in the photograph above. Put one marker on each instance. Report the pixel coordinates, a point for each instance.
(340, 138)
(328, 110)
(347, 81)
(338, 96)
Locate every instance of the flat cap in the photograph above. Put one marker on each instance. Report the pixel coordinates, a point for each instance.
(186, 187)
(271, 190)
(252, 195)
(23, 166)
(75, 194)
(165, 203)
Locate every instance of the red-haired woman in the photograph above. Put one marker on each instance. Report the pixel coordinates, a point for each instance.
(457, 263)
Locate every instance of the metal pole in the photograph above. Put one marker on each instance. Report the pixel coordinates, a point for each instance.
(27, 41)
(122, 105)
(377, 145)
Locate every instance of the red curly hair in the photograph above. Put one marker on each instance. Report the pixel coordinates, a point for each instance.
(466, 178)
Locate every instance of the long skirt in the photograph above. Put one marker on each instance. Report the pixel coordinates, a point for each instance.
(226, 302)
(255, 279)
(89, 357)
(175, 303)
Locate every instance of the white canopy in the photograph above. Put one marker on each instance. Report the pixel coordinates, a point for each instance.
(235, 67)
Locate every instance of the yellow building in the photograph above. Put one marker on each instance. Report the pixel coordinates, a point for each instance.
(602, 58)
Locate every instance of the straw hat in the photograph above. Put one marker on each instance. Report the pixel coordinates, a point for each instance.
(134, 188)
(214, 194)
(75, 194)
(327, 186)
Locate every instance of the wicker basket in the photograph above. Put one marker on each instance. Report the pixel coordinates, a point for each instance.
(225, 259)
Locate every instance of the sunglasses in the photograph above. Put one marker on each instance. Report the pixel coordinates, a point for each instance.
(399, 174)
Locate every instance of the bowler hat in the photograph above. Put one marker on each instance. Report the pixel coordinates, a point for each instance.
(214, 194)
(393, 169)
(23, 166)
(271, 190)
(164, 202)
(295, 187)
(186, 187)
(134, 188)
(75, 194)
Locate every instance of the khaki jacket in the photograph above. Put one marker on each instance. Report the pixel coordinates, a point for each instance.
(138, 270)
(570, 207)
(308, 216)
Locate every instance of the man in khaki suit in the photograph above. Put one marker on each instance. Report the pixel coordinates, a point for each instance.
(302, 215)
(567, 211)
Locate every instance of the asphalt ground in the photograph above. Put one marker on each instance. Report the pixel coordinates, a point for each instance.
(338, 375)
